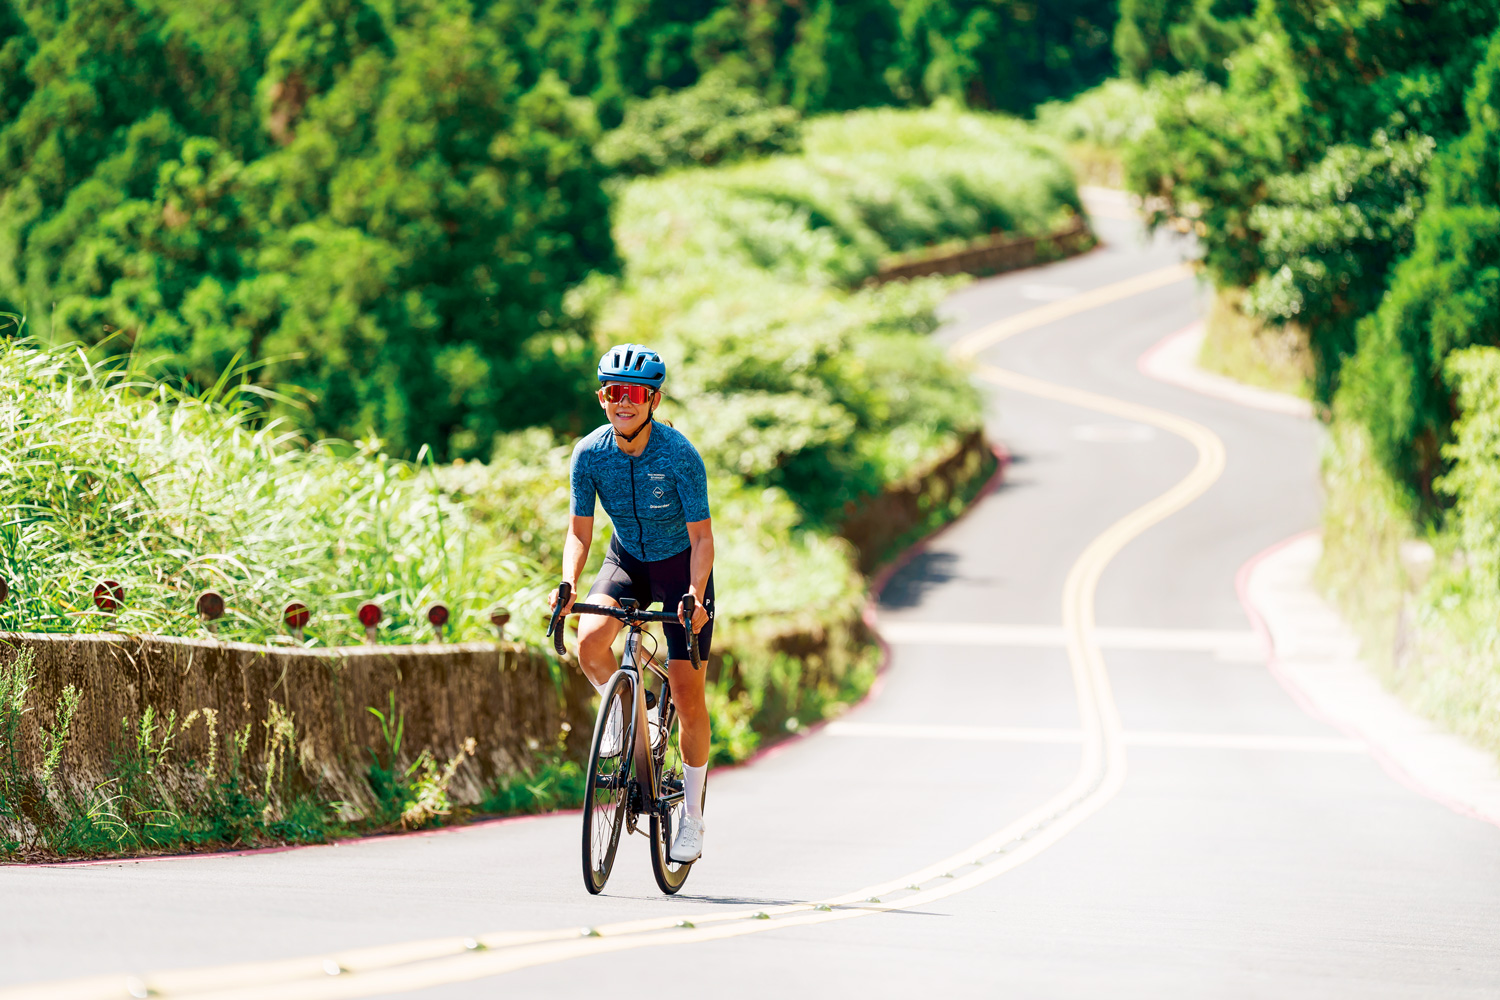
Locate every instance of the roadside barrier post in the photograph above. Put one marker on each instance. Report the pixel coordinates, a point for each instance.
(369, 617)
(210, 609)
(437, 616)
(109, 596)
(296, 617)
(499, 617)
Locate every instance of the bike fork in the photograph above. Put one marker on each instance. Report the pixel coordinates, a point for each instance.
(645, 779)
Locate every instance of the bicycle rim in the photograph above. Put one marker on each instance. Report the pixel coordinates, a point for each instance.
(607, 789)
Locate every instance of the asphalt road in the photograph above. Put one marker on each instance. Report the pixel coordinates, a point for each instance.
(1216, 841)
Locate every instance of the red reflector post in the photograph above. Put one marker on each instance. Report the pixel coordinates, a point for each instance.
(109, 596)
(369, 617)
(296, 617)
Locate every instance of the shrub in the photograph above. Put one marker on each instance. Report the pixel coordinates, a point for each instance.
(712, 122)
(1444, 297)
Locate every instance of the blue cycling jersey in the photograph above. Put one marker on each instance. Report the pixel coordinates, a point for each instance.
(649, 498)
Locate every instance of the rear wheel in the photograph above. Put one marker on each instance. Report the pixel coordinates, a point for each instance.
(607, 789)
(669, 874)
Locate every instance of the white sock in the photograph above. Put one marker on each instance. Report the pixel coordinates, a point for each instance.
(693, 781)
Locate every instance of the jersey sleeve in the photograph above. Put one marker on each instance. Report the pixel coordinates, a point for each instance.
(581, 483)
(692, 484)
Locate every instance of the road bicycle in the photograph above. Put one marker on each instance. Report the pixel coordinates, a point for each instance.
(624, 787)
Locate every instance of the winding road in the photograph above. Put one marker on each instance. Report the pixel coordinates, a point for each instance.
(1077, 777)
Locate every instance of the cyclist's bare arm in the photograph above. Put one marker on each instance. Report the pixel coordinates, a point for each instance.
(701, 537)
(575, 555)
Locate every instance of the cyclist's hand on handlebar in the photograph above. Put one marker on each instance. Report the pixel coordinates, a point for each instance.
(700, 615)
(552, 600)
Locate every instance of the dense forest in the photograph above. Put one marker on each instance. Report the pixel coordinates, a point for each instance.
(378, 207)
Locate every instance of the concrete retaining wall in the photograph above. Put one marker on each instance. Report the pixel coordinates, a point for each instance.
(503, 695)
(995, 255)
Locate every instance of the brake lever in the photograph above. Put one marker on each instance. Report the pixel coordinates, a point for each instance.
(689, 605)
(554, 627)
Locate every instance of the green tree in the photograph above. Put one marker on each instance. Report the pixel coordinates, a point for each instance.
(1443, 298)
(384, 218)
(1303, 173)
(1175, 36)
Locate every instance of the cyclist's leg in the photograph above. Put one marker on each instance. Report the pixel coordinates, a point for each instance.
(694, 735)
(692, 711)
(618, 577)
(596, 638)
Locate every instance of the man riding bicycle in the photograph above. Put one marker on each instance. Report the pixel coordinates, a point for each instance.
(652, 485)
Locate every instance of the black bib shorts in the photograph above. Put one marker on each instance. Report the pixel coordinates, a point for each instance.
(665, 580)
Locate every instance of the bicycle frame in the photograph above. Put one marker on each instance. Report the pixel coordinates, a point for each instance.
(647, 777)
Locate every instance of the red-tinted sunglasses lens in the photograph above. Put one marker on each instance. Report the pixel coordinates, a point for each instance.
(616, 391)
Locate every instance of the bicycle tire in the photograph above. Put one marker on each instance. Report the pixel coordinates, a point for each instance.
(606, 794)
(670, 875)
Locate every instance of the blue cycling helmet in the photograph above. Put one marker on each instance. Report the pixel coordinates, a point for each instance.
(632, 363)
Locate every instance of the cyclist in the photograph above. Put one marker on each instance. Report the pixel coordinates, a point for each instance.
(652, 485)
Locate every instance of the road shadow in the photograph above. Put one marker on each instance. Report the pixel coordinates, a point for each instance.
(909, 585)
(928, 569)
(718, 900)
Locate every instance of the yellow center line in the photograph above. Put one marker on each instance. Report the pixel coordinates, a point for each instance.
(425, 964)
(971, 343)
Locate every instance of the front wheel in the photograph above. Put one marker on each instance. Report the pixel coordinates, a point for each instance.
(606, 795)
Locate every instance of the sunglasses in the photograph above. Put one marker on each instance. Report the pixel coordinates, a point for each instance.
(617, 391)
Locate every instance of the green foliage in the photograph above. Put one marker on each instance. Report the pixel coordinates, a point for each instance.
(710, 122)
(1113, 115)
(391, 233)
(788, 381)
(552, 780)
(791, 379)
(1008, 55)
(1444, 297)
(1175, 36)
(1305, 170)
(1474, 453)
(822, 55)
(1329, 235)
(108, 475)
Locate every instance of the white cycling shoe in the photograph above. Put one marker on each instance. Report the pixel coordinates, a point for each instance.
(688, 845)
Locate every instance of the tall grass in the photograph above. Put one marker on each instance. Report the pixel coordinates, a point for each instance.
(105, 474)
